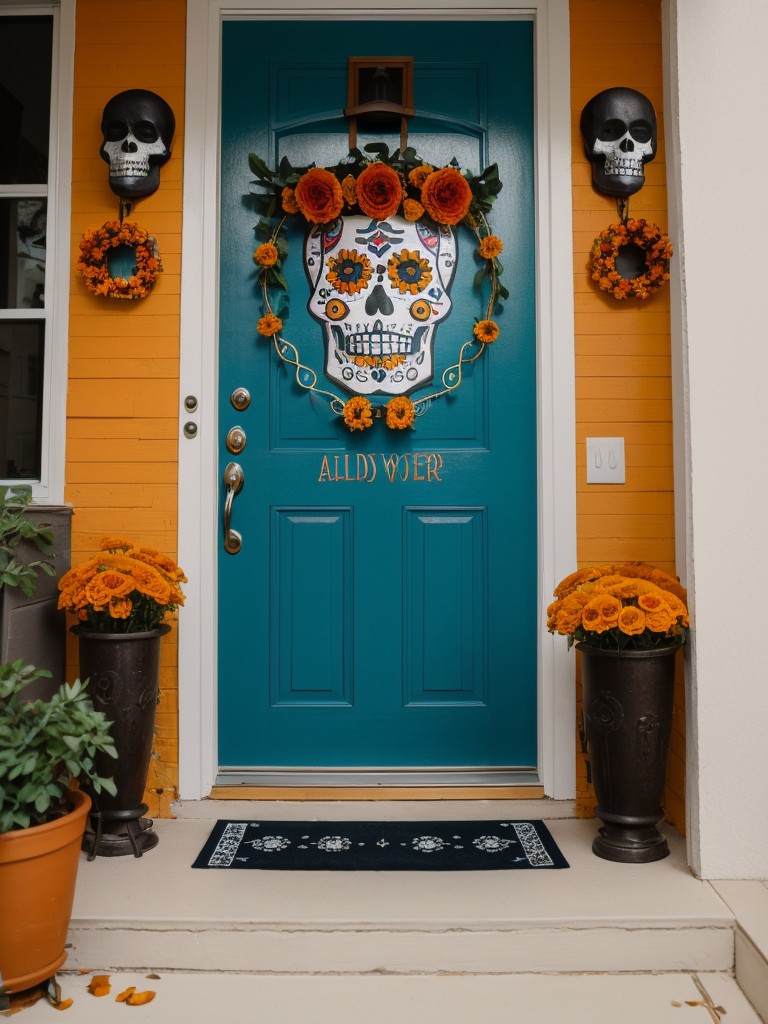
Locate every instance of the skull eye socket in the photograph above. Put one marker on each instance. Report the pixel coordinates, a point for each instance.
(349, 272)
(335, 309)
(115, 131)
(421, 310)
(408, 273)
(612, 130)
(145, 131)
(641, 131)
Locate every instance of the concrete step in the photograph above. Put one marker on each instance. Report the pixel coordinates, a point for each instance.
(157, 914)
(183, 998)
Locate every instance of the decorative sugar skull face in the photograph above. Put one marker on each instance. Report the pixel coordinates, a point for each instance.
(619, 130)
(379, 288)
(138, 127)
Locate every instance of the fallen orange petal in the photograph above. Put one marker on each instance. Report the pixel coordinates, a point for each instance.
(124, 995)
(139, 998)
(64, 1005)
(99, 985)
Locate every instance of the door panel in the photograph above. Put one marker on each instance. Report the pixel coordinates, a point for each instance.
(382, 609)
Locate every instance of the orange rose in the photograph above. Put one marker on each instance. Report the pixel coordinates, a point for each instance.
(631, 620)
(319, 196)
(379, 191)
(446, 196)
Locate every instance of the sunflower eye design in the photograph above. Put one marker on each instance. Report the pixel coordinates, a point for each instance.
(349, 272)
(408, 272)
(421, 310)
(335, 309)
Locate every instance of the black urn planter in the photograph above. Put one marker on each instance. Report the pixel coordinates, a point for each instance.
(124, 670)
(628, 699)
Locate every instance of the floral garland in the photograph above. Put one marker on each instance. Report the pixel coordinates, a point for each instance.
(377, 186)
(93, 265)
(648, 237)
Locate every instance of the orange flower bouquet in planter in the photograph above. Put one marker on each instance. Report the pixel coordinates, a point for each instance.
(626, 606)
(120, 597)
(122, 589)
(628, 621)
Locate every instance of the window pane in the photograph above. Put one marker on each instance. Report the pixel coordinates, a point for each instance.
(22, 253)
(25, 98)
(21, 398)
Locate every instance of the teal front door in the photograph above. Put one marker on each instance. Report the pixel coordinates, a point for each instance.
(381, 611)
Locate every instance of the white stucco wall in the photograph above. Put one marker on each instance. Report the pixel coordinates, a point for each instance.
(718, 161)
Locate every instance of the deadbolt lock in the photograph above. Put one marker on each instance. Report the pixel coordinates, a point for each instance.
(240, 398)
(236, 440)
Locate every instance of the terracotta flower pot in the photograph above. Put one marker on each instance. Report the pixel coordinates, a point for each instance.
(628, 699)
(38, 871)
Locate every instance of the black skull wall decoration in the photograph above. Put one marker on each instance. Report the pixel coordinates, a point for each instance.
(618, 126)
(137, 127)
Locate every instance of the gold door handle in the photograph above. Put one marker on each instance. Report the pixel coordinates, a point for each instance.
(233, 480)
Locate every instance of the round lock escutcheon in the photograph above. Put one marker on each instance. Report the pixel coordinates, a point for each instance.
(236, 440)
(240, 399)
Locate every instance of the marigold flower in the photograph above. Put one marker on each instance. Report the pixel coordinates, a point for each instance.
(318, 196)
(110, 543)
(400, 413)
(266, 255)
(349, 189)
(288, 200)
(486, 331)
(120, 607)
(446, 195)
(379, 191)
(490, 247)
(269, 325)
(418, 175)
(358, 413)
(412, 210)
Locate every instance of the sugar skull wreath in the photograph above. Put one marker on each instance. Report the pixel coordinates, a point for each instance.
(95, 249)
(380, 240)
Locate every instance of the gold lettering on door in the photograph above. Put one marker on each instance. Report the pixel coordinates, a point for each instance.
(420, 467)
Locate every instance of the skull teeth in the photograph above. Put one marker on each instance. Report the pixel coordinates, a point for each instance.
(129, 168)
(628, 168)
(374, 344)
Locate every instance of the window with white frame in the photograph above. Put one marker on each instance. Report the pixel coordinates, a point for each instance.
(32, 319)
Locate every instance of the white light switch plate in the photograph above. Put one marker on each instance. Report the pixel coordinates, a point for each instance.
(605, 460)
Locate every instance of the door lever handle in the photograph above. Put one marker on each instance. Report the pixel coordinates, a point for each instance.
(233, 480)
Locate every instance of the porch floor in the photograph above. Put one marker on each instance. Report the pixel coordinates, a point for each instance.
(608, 941)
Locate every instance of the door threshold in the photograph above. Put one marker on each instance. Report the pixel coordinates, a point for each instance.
(506, 784)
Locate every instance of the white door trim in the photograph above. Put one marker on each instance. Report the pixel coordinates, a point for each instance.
(199, 487)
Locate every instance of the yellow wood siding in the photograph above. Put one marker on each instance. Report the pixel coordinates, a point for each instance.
(122, 405)
(623, 376)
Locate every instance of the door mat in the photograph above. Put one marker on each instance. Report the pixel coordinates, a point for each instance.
(380, 846)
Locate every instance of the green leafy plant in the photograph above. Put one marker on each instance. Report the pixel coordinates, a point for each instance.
(45, 745)
(15, 527)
